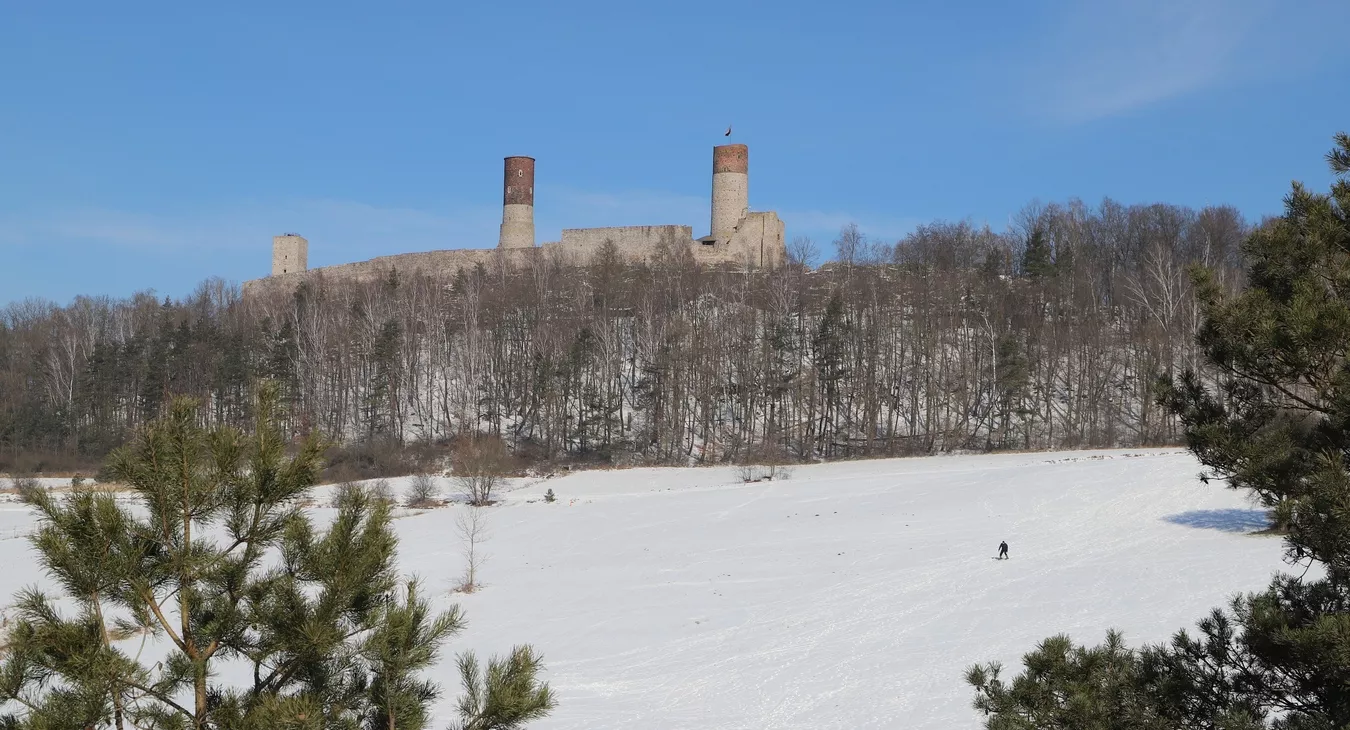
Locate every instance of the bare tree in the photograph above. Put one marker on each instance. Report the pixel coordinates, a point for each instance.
(479, 467)
(802, 251)
(664, 361)
(471, 523)
(851, 244)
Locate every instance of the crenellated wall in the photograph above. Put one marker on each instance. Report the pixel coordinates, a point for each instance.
(739, 237)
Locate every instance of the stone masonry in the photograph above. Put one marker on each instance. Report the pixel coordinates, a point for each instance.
(737, 237)
(730, 190)
(290, 253)
(518, 204)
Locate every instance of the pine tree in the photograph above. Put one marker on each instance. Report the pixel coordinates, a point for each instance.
(1012, 383)
(830, 356)
(332, 637)
(1051, 694)
(1277, 424)
(505, 696)
(1038, 258)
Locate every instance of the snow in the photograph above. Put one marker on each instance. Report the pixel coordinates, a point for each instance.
(851, 595)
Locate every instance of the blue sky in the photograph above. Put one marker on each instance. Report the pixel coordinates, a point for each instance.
(151, 145)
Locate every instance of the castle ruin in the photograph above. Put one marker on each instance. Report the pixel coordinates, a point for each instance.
(737, 236)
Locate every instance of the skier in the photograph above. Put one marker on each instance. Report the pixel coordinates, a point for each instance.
(1003, 551)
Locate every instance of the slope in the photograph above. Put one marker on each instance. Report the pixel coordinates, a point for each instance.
(851, 595)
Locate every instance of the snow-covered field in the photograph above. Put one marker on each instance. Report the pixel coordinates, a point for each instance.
(851, 595)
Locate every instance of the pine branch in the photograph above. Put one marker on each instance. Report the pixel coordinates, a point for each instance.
(1339, 158)
(150, 601)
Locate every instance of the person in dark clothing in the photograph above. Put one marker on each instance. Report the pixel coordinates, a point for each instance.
(1003, 551)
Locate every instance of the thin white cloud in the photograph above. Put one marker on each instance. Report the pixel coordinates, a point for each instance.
(336, 229)
(377, 231)
(562, 207)
(1101, 58)
(558, 208)
(823, 226)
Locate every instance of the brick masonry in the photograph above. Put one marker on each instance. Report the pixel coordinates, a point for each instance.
(739, 237)
(518, 185)
(731, 158)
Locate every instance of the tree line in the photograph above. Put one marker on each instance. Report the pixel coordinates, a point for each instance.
(1052, 334)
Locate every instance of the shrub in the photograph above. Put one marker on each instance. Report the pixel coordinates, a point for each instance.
(380, 458)
(480, 465)
(380, 492)
(366, 460)
(422, 492)
(24, 484)
(763, 473)
(767, 463)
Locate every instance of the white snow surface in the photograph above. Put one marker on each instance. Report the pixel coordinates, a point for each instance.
(850, 595)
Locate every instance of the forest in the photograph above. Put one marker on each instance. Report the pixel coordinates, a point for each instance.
(1052, 334)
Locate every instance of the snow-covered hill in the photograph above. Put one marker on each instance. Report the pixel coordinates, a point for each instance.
(851, 595)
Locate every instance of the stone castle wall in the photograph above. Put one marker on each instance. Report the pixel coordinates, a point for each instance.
(757, 242)
(739, 237)
(632, 242)
(432, 263)
(760, 239)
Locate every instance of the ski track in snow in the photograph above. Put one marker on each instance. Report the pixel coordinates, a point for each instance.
(851, 595)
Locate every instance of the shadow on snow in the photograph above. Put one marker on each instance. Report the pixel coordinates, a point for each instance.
(1224, 520)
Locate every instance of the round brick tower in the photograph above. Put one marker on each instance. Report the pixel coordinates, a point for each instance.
(518, 204)
(730, 189)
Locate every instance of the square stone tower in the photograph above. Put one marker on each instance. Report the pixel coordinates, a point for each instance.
(290, 253)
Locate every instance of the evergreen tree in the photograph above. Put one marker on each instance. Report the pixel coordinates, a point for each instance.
(1012, 384)
(1038, 258)
(381, 392)
(282, 363)
(1277, 425)
(332, 639)
(1067, 686)
(830, 357)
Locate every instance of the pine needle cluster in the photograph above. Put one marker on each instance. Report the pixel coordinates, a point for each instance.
(214, 601)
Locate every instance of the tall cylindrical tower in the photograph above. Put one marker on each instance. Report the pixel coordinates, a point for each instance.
(730, 189)
(518, 204)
